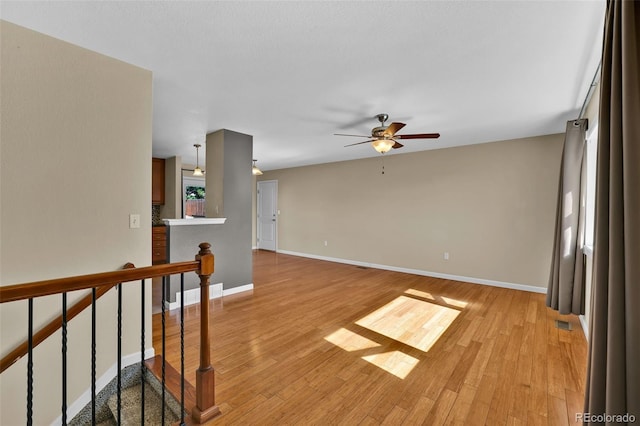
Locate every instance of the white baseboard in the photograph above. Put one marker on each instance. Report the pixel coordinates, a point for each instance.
(101, 382)
(239, 289)
(191, 297)
(514, 286)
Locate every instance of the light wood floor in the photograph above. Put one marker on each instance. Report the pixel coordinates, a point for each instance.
(325, 343)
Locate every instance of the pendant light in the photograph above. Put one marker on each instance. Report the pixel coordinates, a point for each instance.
(197, 171)
(255, 170)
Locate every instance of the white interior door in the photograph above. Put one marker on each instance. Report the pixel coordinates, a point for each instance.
(267, 214)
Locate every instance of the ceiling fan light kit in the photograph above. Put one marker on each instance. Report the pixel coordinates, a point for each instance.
(383, 138)
(382, 145)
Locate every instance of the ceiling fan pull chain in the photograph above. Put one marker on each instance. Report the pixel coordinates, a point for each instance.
(382, 163)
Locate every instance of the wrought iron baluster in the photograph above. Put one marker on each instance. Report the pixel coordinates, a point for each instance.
(119, 387)
(30, 366)
(64, 358)
(142, 353)
(164, 335)
(182, 349)
(93, 356)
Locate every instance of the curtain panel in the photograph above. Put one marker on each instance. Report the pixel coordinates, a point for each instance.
(613, 376)
(566, 289)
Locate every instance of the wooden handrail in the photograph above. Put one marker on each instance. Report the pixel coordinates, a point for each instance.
(60, 285)
(55, 324)
(203, 266)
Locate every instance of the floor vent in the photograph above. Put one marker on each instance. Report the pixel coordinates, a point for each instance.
(563, 325)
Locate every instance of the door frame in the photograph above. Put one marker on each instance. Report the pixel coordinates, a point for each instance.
(259, 209)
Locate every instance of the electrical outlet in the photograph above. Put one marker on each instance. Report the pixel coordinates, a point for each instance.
(446, 255)
(134, 221)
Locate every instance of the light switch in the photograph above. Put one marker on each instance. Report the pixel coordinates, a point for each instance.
(134, 221)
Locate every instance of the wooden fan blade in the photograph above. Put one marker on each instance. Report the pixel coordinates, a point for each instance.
(419, 136)
(357, 136)
(359, 143)
(397, 145)
(393, 128)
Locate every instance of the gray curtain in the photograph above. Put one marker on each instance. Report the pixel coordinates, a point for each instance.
(565, 292)
(613, 376)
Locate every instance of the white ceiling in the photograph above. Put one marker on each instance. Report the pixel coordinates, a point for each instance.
(293, 73)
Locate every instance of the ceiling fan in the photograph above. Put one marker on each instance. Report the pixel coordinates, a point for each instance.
(383, 138)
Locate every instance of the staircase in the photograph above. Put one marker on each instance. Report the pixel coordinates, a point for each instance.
(131, 402)
(131, 382)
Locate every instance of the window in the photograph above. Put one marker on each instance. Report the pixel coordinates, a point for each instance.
(591, 153)
(193, 197)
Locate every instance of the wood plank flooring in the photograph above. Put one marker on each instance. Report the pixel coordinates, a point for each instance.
(319, 343)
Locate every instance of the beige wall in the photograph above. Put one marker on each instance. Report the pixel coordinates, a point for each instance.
(75, 162)
(490, 206)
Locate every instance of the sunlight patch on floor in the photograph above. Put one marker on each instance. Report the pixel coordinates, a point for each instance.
(443, 299)
(395, 362)
(420, 293)
(454, 302)
(350, 341)
(414, 322)
(417, 320)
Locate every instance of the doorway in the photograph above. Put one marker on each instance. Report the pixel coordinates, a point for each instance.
(267, 215)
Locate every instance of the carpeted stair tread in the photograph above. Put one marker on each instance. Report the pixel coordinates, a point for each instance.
(130, 413)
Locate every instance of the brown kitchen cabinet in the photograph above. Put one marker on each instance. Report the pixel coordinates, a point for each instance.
(158, 244)
(157, 181)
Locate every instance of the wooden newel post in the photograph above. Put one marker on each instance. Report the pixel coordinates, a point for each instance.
(206, 407)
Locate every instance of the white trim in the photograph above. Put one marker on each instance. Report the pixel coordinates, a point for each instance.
(104, 380)
(514, 286)
(585, 326)
(588, 250)
(239, 289)
(191, 297)
(195, 221)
